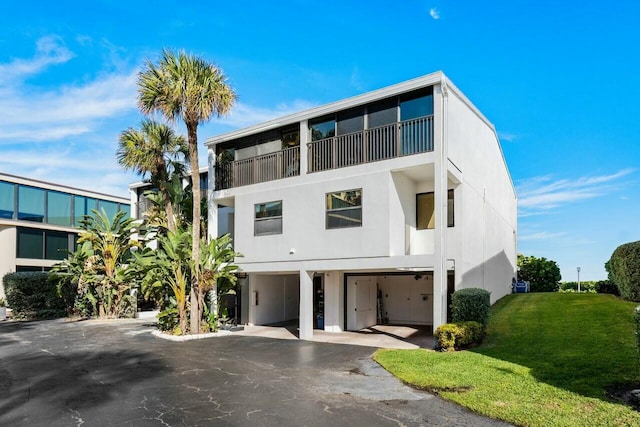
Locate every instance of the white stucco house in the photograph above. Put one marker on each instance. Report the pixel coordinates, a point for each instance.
(370, 209)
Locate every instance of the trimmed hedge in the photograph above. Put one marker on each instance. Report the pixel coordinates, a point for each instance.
(586, 286)
(624, 270)
(606, 287)
(33, 295)
(470, 304)
(458, 336)
(636, 318)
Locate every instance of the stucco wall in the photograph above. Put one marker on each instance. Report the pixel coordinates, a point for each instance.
(488, 209)
(278, 298)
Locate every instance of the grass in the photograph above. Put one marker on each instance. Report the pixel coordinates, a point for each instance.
(548, 359)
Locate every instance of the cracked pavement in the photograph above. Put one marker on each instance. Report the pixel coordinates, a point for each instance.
(101, 373)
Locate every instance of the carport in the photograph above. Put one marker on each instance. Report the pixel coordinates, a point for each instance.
(395, 298)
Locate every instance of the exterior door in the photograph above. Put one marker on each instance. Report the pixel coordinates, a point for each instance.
(361, 302)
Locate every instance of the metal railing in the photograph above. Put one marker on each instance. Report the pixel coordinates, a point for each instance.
(371, 145)
(267, 167)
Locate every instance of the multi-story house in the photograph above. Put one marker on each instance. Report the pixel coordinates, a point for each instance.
(367, 210)
(39, 221)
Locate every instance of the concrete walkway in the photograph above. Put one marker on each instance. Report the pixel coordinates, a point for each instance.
(116, 373)
(379, 336)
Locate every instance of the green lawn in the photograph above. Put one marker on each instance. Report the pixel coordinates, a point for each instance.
(548, 359)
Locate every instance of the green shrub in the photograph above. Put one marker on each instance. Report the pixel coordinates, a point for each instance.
(457, 336)
(587, 286)
(33, 295)
(606, 287)
(542, 274)
(636, 318)
(624, 270)
(470, 304)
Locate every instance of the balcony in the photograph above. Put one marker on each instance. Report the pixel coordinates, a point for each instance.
(267, 167)
(371, 145)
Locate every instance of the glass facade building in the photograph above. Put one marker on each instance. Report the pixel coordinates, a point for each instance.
(41, 220)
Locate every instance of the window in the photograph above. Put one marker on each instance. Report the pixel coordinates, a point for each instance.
(416, 107)
(56, 245)
(31, 203)
(323, 130)
(344, 209)
(425, 210)
(7, 198)
(109, 207)
(268, 218)
(58, 208)
(30, 243)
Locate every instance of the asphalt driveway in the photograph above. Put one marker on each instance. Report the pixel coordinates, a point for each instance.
(99, 373)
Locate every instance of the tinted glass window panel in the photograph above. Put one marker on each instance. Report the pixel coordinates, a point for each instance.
(27, 268)
(350, 121)
(109, 207)
(322, 130)
(268, 218)
(381, 114)
(58, 208)
(126, 209)
(56, 245)
(269, 209)
(450, 209)
(7, 198)
(417, 107)
(344, 209)
(30, 243)
(268, 226)
(79, 209)
(425, 211)
(30, 204)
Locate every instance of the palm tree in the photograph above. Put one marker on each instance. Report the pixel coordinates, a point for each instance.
(187, 87)
(156, 150)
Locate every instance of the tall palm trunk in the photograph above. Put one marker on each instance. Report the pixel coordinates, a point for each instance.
(168, 209)
(192, 136)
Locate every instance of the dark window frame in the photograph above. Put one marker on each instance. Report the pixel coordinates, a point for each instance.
(329, 211)
(450, 207)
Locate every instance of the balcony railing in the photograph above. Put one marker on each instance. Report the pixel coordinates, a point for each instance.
(267, 167)
(371, 145)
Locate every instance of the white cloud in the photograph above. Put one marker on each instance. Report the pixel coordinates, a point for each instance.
(355, 79)
(30, 114)
(49, 51)
(507, 136)
(434, 13)
(543, 235)
(544, 193)
(243, 115)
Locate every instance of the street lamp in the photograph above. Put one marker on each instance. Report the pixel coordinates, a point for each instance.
(578, 279)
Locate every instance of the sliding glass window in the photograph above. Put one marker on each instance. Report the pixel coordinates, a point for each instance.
(31, 204)
(30, 243)
(268, 218)
(59, 208)
(344, 209)
(7, 199)
(56, 245)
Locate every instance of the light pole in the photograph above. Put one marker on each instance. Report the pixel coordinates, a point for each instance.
(578, 279)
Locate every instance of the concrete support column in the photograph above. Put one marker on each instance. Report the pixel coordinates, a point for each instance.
(440, 201)
(306, 305)
(333, 302)
(304, 140)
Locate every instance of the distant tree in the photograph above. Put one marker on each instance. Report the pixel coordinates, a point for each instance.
(542, 274)
(624, 270)
(154, 150)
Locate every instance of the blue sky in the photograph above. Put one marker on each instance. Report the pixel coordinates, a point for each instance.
(558, 80)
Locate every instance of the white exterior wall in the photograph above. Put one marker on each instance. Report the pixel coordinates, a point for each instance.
(467, 158)
(8, 237)
(486, 205)
(277, 298)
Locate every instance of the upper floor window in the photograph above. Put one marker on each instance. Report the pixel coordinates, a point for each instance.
(425, 210)
(323, 129)
(416, 107)
(7, 199)
(268, 218)
(344, 209)
(31, 204)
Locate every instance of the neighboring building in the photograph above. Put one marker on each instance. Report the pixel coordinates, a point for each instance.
(39, 221)
(370, 209)
(140, 204)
